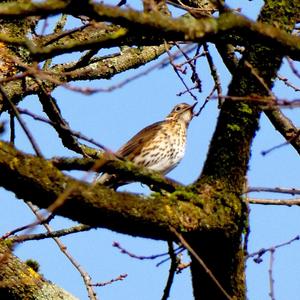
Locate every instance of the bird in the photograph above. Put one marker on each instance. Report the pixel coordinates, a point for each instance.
(158, 147)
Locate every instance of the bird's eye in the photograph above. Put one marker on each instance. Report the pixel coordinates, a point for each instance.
(178, 108)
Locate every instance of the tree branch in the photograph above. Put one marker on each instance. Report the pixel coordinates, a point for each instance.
(103, 68)
(185, 29)
(35, 179)
(287, 202)
(125, 169)
(19, 281)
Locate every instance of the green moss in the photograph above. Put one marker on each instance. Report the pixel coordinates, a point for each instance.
(9, 243)
(246, 109)
(188, 194)
(33, 264)
(234, 127)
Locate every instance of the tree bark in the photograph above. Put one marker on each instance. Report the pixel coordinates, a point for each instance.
(228, 157)
(18, 281)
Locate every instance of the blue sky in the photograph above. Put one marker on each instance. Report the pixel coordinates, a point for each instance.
(112, 118)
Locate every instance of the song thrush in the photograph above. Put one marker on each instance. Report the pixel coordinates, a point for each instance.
(159, 146)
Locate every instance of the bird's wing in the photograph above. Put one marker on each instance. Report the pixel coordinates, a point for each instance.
(134, 145)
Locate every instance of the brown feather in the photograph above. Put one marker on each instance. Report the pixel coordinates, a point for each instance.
(134, 146)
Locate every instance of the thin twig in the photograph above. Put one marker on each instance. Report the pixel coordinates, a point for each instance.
(293, 68)
(85, 276)
(57, 233)
(288, 142)
(205, 102)
(291, 191)
(119, 278)
(52, 110)
(28, 226)
(177, 252)
(259, 78)
(262, 251)
(267, 102)
(74, 133)
(175, 68)
(271, 279)
(172, 271)
(65, 33)
(58, 28)
(22, 123)
(141, 257)
(191, 62)
(12, 128)
(287, 83)
(213, 72)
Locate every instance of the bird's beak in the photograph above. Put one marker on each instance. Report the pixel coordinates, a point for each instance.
(191, 108)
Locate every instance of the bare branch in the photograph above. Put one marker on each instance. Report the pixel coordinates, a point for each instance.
(291, 191)
(126, 169)
(288, 83)
(214, 73)
(288, 202)
(262, 251)
(119, 278)
(271, 279)
(87, 204)
(22, 123)
(85, 276)
(285, 126)
(140, 257)
(52, 234)
(172, 271)
(169, 29)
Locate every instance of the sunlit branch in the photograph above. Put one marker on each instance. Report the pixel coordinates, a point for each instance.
(168, 28)
(115, 166)
(56, 233)
(288, 202)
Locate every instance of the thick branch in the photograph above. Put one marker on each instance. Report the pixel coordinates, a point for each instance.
(19, 281)
(37, 180)
(125, 169)
(157, 24)
(102, 68)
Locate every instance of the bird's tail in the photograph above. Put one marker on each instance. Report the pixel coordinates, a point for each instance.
(111, 180)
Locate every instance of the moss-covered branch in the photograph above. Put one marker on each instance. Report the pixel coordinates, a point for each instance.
(20, 281)
(102, 68)
(157, 24)
(124, 169)
(37, 180)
